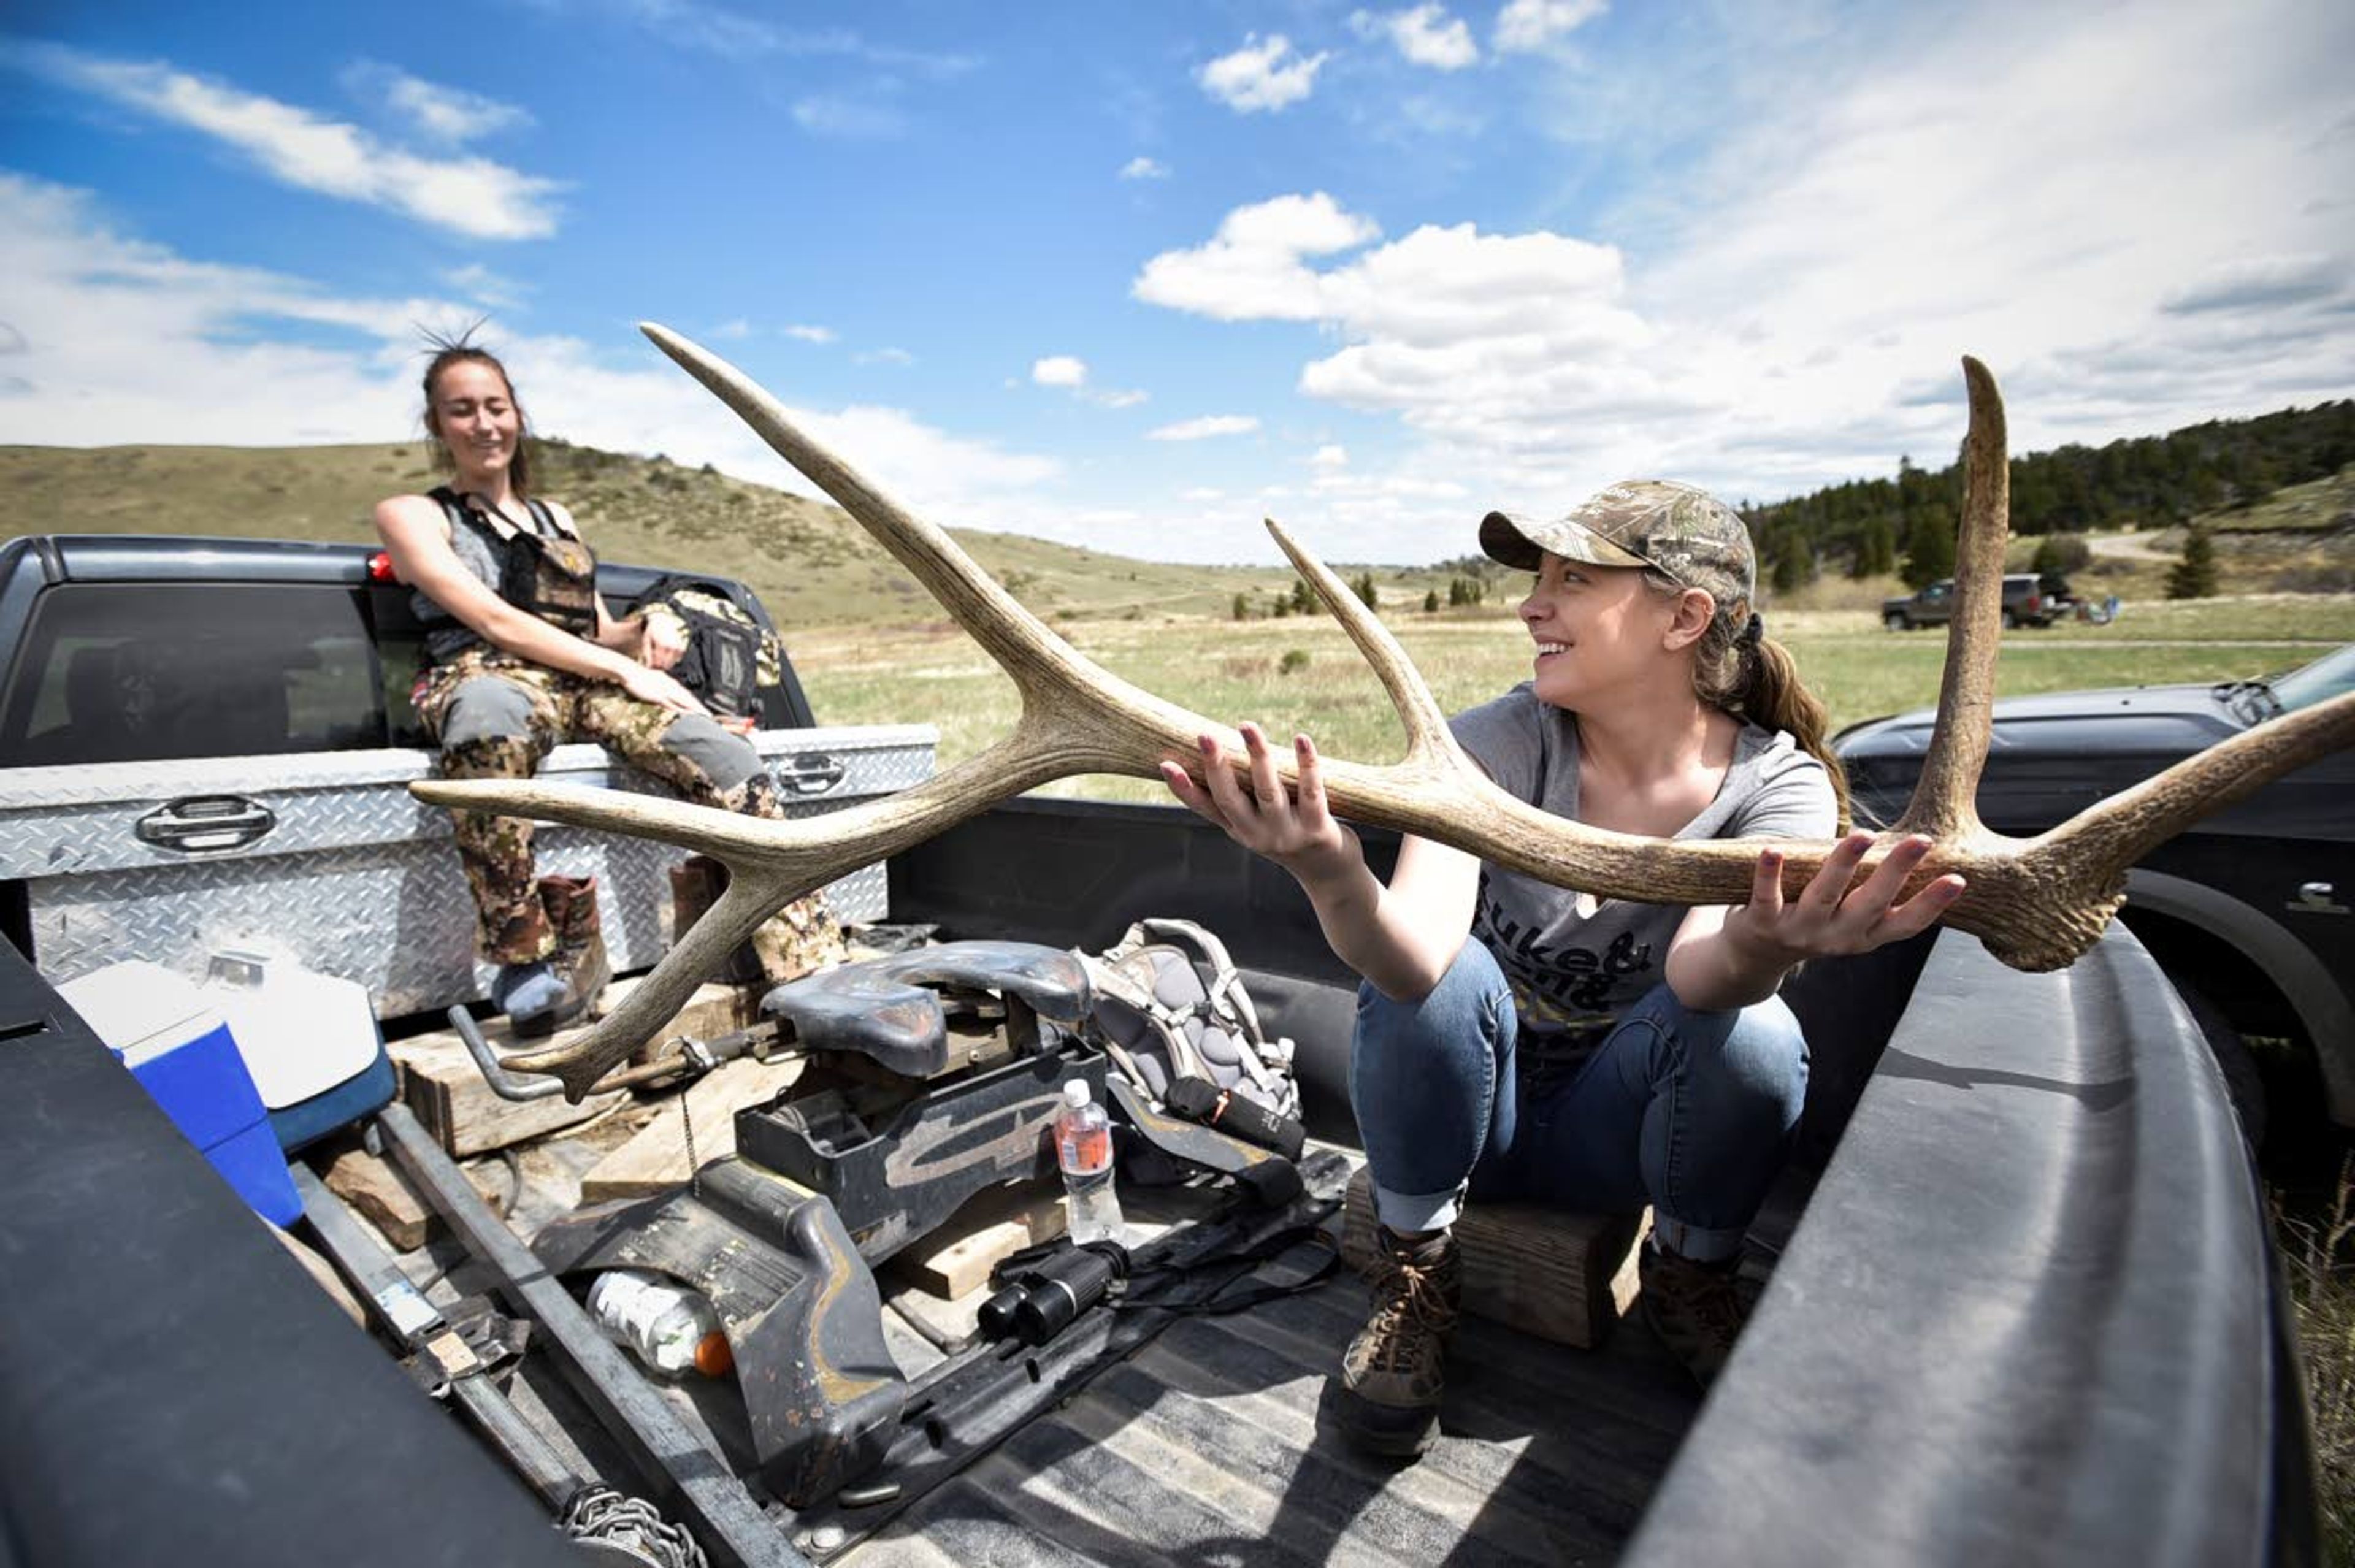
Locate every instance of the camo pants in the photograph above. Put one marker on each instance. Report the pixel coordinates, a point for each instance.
(496, 716)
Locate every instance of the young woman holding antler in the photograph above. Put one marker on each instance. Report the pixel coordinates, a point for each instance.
(1516, 1039)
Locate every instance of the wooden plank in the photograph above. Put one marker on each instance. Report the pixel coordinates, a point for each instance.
(656, 1160)
(380, 1197)
(955, 1261)
(1559, 1276)
(442, 1086)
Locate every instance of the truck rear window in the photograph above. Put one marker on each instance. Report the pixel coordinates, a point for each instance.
(115, 672)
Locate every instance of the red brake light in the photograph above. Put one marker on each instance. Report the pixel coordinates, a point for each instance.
(381, 568)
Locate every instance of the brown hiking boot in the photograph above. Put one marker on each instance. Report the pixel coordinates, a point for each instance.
(1393, 1373)
(1695, 1307)
(695, 884)
(578, 965)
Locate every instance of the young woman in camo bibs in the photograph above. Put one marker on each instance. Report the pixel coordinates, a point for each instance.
(522, 654)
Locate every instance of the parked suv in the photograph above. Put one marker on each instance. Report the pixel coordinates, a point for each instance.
(2250, 912)
(2025, 603)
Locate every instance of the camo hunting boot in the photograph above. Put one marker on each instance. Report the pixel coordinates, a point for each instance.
(1395, 1370)
(578, 965)
(1695, 1308)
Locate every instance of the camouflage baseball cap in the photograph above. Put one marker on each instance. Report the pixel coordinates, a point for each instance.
(1689, 534)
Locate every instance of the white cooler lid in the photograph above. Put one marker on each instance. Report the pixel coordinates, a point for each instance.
(140, 1010)
(300, 1032)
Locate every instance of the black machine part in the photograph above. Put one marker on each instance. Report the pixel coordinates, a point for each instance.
(889, 1008)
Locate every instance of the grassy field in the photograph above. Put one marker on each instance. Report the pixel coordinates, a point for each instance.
(933, 673)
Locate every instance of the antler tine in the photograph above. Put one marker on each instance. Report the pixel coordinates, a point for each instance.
(1945, 804)
(1076, 713)
(2116, 832)
(1428, 739)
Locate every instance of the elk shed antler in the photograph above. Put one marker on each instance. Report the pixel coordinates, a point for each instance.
(2036, 903)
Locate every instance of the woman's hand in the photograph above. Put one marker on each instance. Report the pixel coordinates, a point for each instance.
(1828, 917)
(648, 685)
(1294, 831)
(662, 638)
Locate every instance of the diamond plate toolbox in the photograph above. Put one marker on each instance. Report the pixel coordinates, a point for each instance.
(329, 858)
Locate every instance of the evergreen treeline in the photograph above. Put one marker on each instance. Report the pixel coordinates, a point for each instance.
(1865, 526)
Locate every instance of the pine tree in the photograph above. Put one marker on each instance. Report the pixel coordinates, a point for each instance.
(1280, 604)
(1794, 561)
(1929, 548)
(1366, 591)
(1431, 602)
(1243, 606)
(1303, 602)
(2194, 577)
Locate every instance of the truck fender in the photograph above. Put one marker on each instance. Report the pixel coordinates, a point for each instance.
(2321, 1007)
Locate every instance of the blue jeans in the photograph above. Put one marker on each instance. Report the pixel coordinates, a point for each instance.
(1690, 1111)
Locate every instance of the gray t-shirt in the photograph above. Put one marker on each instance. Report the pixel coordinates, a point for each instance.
(1576, 963)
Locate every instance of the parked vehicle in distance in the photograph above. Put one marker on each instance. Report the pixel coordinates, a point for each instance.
(2025, 603)
(2252, 912)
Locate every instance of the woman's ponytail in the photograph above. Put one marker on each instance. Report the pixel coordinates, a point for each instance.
(1738, 668)
(1772, 697)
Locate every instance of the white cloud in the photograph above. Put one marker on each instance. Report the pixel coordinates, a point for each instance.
(127, 341)
(1424, 35)
(445, 114)
(1255, 267)
(1141, 167)
(1206, 427)
(1329, 457)
(1262, 76)
(1064, 371)
(1202, 493)
(805, 333)
(478, 283)
(2129, 262)
(848, 119)
(467, 196)
(1526, 25)
(884, 357)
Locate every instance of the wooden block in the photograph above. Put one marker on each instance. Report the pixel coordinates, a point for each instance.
(955, 1261)
(655, 1159)
(444, 1089)
(377, 1192)
(1559, 1276)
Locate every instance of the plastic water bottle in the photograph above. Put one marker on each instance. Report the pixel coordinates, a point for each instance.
(1083, 1148)
(670, 1328)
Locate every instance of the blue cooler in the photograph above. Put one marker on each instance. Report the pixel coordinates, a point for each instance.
(176, 1043)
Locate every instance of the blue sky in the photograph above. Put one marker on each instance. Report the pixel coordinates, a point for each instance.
(1139, 275)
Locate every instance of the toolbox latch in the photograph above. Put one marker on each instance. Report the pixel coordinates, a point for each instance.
(198, 822)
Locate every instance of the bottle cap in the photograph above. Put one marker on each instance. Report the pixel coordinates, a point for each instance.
(1075, 1092)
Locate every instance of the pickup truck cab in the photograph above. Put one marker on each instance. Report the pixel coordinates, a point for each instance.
(2025, 603)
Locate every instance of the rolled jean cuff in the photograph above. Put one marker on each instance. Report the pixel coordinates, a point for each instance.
(1407, 1214)
(1698, 1242)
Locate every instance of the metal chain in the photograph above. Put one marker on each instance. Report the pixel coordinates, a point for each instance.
(605, 1516)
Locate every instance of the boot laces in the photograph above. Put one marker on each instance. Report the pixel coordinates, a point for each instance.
(1411, 1307)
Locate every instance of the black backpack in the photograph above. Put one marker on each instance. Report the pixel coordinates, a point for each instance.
(728, 654)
